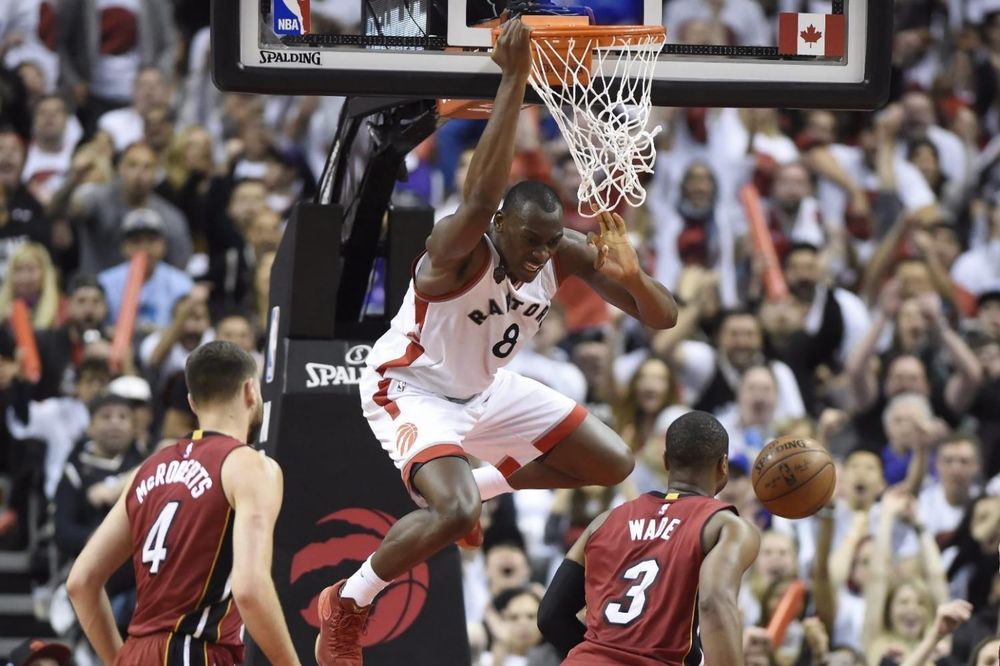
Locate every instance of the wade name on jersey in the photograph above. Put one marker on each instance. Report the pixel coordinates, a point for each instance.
(535, 311)
(647, 529)
(191, 473)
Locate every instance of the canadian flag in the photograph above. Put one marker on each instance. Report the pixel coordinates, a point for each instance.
(811, 34)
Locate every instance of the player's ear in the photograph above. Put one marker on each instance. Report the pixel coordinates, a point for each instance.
(191, 404)
(498, 220)
(249, 394)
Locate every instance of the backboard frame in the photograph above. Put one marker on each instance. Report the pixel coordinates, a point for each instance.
(862, 83)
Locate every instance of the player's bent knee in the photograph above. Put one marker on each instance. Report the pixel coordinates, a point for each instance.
(456, 517)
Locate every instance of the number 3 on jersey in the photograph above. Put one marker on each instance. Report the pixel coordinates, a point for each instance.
(154, 550)
(503, 348)
(646, 571)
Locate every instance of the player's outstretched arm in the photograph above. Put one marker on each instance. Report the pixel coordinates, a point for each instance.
(736, 543)
(454, 238)
(107, 550)
(608, 263)
(253, 485)
(566, 596)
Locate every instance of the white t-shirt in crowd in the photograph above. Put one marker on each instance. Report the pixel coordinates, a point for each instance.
(850, 619)
(978, 269)
(44, 171)
(117, 63)
(939, 516)
(125, 126)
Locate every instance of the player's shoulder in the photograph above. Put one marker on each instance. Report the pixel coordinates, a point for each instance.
(725, 523)
(246, 460)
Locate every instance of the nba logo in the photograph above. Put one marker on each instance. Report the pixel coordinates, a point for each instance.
(291, 17)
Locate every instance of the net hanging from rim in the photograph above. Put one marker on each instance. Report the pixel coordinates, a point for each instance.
(596, 82)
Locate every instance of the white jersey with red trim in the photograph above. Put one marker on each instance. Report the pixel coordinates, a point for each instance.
(453, 344)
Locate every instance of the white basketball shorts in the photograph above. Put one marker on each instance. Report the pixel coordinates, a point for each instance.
(508, 425)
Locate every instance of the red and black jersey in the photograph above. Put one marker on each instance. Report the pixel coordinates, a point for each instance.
(182, 546)
(642, 571)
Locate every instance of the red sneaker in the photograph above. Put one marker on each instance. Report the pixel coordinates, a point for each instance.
(341, 623)
(473, 539)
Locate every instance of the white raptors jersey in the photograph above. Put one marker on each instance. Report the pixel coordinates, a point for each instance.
(453, 344)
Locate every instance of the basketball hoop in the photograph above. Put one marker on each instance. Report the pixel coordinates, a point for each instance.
(596, 82)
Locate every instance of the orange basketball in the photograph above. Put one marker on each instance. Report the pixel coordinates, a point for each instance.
(793, 477)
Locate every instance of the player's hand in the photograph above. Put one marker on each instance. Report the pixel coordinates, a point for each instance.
(949, 615)
(616, 258)
(513, 49)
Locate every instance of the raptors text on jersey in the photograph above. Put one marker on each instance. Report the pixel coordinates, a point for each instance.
(453, 344)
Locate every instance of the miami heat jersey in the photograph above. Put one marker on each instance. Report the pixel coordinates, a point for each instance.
(453, 344)
(182, 536)
(642, 569)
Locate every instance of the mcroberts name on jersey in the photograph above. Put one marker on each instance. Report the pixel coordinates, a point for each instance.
(534, 311)
(647, 529)
(188, 472)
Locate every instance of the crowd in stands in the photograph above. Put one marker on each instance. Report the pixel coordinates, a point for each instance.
(886, 348)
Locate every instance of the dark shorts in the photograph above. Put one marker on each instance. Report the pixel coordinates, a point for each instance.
(175, 650)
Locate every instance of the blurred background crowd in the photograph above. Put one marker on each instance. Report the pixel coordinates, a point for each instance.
(886, 349)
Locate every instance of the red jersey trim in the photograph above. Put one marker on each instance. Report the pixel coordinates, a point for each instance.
(381, 398)
(454, 293)
(561, 430)
(508, 466)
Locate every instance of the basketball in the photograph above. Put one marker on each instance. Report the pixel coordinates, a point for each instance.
(793, 477)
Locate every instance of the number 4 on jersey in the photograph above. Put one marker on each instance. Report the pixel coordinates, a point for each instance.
(154, 550)
(614, 612)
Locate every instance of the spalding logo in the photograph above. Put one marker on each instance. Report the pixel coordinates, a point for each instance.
(357, 355)
(361, 531)
(769, 450)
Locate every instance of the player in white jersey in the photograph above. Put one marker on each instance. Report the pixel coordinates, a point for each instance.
(435, 389)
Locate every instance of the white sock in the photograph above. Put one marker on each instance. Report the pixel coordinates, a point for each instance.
(491, 482)
(364, 585)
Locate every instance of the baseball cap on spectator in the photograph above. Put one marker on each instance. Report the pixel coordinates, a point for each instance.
(35, 649)
(142, 220)
(133, 389)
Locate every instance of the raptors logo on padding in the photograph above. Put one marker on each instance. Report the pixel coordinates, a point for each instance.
(406, 435)
(360, 531)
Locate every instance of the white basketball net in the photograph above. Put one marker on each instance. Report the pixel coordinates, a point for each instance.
(604, 125)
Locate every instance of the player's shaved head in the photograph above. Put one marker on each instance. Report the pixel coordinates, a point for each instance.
(529, 193)
(696, 441)
(215, 372)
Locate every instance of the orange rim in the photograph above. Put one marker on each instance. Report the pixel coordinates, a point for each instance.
(604, 35)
